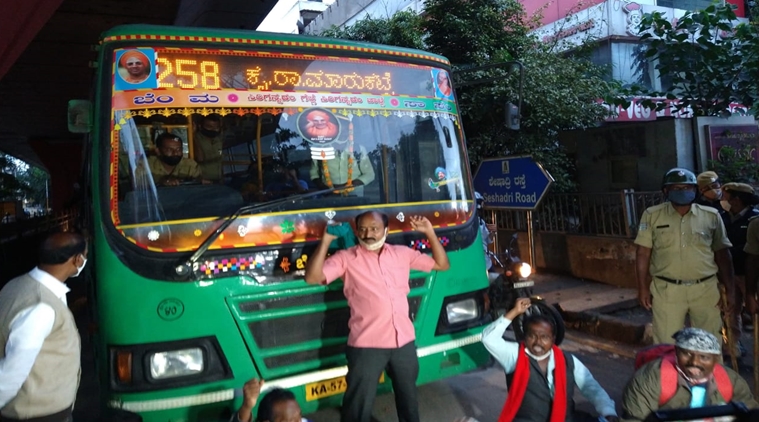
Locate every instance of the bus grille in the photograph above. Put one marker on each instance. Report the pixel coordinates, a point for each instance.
(329, 328)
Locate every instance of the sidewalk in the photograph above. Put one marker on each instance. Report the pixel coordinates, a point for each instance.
(598, 309)
(609, 318)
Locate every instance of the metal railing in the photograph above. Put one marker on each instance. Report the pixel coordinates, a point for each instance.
(63, 220)
(613, 214)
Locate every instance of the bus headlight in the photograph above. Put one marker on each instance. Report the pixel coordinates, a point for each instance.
(463, 310)
(176, 363)
(525, 270)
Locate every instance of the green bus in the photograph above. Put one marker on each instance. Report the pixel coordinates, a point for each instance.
(197, 283)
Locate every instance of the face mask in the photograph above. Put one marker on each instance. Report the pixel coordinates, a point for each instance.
(210, 133)
(79, 269)
(376, 245)
(538, 358)
(681, 197)
(717, 193)
(171, 160)
(725, 205)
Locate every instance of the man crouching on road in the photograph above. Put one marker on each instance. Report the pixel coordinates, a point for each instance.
(541, 376)
(694, 378)
(375, 277)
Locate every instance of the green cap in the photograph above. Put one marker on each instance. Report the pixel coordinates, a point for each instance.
(678, 176)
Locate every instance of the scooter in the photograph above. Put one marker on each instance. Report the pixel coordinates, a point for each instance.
(510, 279)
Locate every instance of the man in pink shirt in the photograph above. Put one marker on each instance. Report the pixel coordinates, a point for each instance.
(376, 282)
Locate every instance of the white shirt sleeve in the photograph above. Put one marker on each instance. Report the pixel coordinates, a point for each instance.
(505, 352)
(592, 390)
(28, 331)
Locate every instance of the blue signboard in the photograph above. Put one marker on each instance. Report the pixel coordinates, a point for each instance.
(512, 182)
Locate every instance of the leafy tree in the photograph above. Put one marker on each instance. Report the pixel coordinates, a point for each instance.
(20, 181)
(36, 181)
(403, 29)
(710, 61)
(560, 91)
(11, 187)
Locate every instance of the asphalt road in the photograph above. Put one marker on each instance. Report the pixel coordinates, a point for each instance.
(481, 394)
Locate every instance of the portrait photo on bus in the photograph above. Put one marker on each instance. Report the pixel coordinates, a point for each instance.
(318, 125)
(135, 69)
(442, 84)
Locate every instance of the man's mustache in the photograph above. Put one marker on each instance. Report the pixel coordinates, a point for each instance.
(367, 238)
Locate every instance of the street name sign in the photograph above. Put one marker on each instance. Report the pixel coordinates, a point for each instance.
(517, 182)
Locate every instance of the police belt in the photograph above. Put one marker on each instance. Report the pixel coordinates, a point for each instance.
(685, 282)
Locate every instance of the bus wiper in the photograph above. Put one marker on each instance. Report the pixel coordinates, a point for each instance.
(184, 268)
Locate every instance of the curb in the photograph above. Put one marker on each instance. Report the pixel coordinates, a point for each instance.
(606, 327)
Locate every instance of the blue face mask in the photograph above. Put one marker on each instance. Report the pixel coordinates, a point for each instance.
(681, 197)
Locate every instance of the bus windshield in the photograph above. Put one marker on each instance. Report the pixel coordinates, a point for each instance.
(199, 133)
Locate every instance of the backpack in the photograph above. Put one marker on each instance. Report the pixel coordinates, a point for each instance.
(668, 377)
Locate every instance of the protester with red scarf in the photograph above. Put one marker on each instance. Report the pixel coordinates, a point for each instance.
(541, 377)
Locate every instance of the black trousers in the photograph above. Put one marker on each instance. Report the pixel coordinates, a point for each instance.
(365, 366)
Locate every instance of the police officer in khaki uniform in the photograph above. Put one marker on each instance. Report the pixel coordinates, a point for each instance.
(208, 145)
(170, 167)
(738, 201)
(682, 252)
(710, 193)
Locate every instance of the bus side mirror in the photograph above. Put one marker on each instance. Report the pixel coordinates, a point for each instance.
(512, 116)
(79, 116)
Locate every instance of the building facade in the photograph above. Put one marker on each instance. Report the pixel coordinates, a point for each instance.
(347, 12)
(293, 16)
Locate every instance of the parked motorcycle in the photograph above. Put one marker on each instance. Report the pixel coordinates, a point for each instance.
(510, 279)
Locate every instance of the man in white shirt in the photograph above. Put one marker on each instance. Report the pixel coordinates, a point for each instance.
(541, 377)
(39, 342)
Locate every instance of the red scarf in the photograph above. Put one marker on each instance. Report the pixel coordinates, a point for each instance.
(519, 386)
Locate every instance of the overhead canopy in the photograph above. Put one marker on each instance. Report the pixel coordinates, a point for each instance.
(46, 51)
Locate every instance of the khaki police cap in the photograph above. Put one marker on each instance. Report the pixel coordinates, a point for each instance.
(738, 187)
(706, 178)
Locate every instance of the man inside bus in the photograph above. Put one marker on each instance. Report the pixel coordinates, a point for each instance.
(335, 172)
(208, 146)
(286, 181)
(39, 342)
(170, 167)
(375, 282)
(542, 377)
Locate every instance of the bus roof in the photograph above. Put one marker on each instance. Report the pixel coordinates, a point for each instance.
(251, 38)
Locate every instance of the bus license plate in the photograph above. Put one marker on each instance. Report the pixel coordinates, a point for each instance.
(319, 390)
(330, 387)
(523, 284)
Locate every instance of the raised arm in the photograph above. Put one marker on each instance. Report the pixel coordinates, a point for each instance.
(505, 352)
(251, 390)
(315, 266)
(423, 225)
